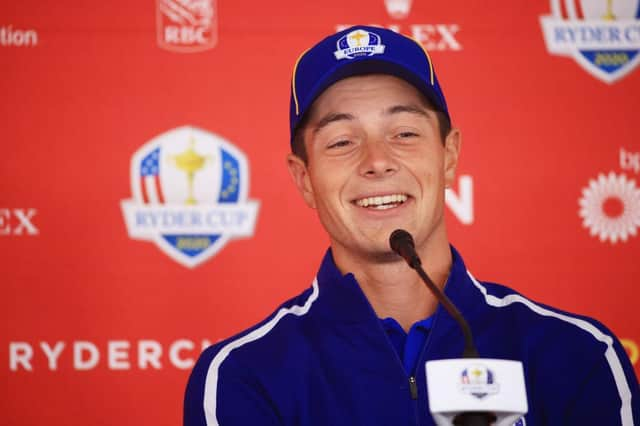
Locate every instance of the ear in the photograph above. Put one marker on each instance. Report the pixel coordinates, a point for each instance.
(300, 174)
(451, 153)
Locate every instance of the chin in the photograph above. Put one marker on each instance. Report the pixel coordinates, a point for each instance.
(377, 249)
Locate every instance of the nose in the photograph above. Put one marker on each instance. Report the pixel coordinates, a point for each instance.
(377, 160)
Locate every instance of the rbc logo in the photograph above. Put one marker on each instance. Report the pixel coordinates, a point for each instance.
(190, 192)
(186, 25)
(603, 37)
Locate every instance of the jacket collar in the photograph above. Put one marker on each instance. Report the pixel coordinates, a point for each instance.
(342, 299)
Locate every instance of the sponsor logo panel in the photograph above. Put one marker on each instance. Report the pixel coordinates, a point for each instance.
(630, 161)
(17, 37)
(603, 37)
(186, 26)
(433, 36)
(84, 355)
(609, 205)
(18, 221)
(190, 190)
(461, 203)
(398, 9)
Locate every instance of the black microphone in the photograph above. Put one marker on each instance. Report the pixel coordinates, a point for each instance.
(401, 242)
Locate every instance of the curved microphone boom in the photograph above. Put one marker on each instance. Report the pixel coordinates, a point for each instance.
(401, 242)
(447, 405)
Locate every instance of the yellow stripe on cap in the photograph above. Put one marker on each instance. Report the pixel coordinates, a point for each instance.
(293, 81)
(428, 58)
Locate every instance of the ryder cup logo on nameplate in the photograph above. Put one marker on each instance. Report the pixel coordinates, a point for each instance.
(186, 25)
(190, 192)
(478, 380)
(602, 36)
(358, 43)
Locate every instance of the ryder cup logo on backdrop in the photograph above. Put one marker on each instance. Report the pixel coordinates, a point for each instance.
(190, 192)
(478, 380)
(358, 43)
(186, 25)
(602, 36)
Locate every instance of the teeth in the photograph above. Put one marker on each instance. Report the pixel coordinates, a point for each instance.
(382, 202)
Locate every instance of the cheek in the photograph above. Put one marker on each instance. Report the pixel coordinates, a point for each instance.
(324, 186)
(425, 170)
(328, 187)
(429, 176)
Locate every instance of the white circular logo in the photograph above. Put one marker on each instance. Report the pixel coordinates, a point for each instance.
(610, 207)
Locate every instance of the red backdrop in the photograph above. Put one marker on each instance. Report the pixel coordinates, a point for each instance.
(101, 328)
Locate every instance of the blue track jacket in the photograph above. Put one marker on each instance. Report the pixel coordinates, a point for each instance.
(323, 359)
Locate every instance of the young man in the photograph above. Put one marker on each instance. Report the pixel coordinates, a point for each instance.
(373, 151)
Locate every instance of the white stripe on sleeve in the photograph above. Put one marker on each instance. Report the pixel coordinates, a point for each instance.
(610, 354)
(211, 382)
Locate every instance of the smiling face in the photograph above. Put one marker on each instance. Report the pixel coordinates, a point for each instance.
(376, 162)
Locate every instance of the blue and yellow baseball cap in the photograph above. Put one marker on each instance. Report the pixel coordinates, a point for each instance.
(361, 50)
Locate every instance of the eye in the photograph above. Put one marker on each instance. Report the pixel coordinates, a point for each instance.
(339, 144)
(406, 134)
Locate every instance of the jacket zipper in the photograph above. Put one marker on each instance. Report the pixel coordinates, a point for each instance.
(413, 387)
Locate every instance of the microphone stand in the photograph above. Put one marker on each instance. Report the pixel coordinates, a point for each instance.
(402, 243)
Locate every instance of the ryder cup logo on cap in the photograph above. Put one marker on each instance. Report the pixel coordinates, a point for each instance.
(356, 51)
(358, 43)
(603, 37)
(190, 192)
(478, 380)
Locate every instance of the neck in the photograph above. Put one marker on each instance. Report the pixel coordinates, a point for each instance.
(392, 287)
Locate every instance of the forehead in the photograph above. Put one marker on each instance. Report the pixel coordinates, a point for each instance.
(375, 90)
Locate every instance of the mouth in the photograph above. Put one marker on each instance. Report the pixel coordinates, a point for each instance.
(382, 202)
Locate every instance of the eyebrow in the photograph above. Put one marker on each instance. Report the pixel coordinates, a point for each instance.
(331, 118)
(412, 109)
(396, 109)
